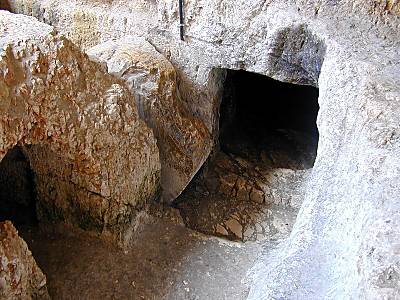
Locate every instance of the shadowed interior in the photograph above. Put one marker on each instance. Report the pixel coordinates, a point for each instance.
(263, 115)
(17, 189)
(267, 145)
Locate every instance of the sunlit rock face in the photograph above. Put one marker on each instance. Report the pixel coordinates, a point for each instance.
(344, 243)
(183, 140)
(95, 163)
(20, 277)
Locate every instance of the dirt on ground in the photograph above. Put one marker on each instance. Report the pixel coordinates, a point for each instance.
(167, 261)
(244, 202)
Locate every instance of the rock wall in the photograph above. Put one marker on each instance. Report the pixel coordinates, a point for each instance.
(87, 23)
(345, 241)
(183, 140)
(96, 163)
(20, 277)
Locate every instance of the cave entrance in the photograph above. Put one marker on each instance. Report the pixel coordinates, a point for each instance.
(267, 122)
(254, 183)
(17, 189)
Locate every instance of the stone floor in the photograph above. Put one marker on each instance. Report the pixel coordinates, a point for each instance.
(168, 261)
(241, 205)
(249, 191)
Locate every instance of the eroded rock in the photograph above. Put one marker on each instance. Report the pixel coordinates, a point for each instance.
(95, 161)
(20, 277)
(183, 140)
(88, 23)
(240, 199)
(342, 245)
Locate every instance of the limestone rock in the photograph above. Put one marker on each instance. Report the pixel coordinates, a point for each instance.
(88, 23)
(183, 140)
(344, 244)
(95, 162)
(237, 199)
(20, 277)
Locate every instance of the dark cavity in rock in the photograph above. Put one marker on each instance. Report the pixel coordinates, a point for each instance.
(17, 189)
(269, 122)
(253, 185)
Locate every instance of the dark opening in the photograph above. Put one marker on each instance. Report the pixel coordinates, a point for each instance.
(17, 189)
(268, 120)
(268, 139)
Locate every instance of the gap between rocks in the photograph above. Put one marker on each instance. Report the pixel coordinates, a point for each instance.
(252, 187)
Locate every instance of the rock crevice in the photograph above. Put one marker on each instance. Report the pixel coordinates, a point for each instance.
(95, 162)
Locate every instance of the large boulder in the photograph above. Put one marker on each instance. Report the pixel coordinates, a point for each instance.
(96, 163)
(344, 244)
(183, 140)
(20, 277)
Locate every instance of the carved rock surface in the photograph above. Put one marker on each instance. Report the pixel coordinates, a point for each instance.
(344, 244)
(183, 140)
(20, 277)
(95, 161)
(88, 23)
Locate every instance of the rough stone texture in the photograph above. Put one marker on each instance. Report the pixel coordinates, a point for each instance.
(253, 188)
(20, 277)
(88, 23)
(95, 162)
(236, 199)
(168, 261)
(183, 140)
(345, 240)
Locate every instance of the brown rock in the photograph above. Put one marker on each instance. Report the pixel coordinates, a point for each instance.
(257, 196)
(234, 227)
(227, 183)
(183, 140)
(95, 162)
(243, 189)
(20, 277)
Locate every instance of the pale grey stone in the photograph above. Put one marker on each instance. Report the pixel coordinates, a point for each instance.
(344, 244)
